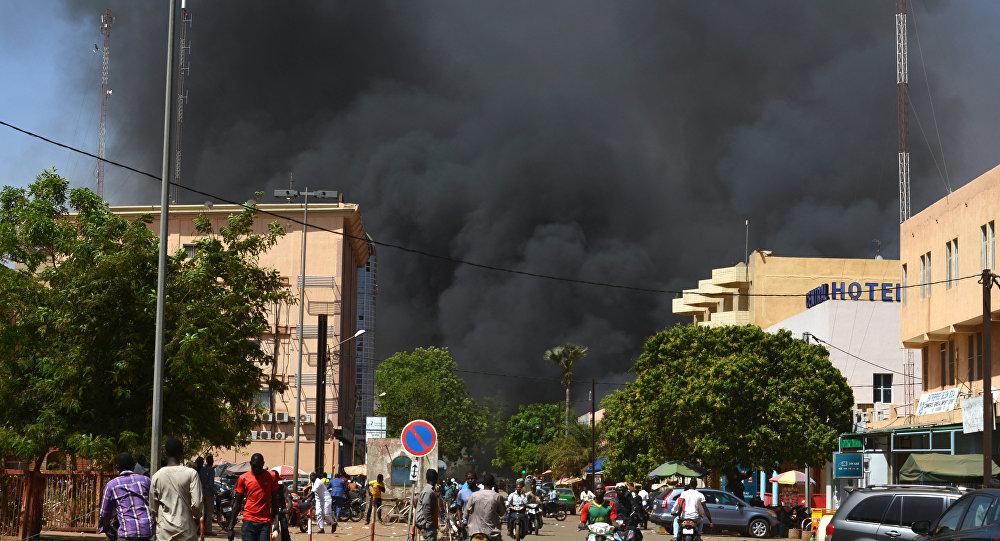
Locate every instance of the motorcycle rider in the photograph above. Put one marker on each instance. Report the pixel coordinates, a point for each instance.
(598, 509)
(691, 506)
(518, 497)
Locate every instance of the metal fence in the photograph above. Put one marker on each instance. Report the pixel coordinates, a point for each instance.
(11, 501)
(70, 500)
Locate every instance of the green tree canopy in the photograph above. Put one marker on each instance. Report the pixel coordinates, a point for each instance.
(523, 444)
(565, 356)
(726, 396)
(423, 385)
(77, 317)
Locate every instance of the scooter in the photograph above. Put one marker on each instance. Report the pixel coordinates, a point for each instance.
(519, 522)
(300, 512)
(628, 530)
(534, 519)
(554, 510)
(599, 531)
(688, 530)
(224, 507)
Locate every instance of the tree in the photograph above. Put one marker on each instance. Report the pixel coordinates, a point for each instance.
(423, 385)
(726, 396)
(77, 317)
(568, 455)
(566, 356)
(525, 436)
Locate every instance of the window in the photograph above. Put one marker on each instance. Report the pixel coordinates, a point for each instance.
(871, 509)
(923, 363)
(905, 510)
(925, 275)
(904, 285)
(976, 517)
(726, 499)
(979, 355)
(952, 362)
(949, 520)
(987, 249)
(400, 472)
(192, 250)
(970, 358)
(947, 265)
(262, 400)
(947, 365)
(882, 388)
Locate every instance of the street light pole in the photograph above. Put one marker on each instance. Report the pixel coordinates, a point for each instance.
(292, 194)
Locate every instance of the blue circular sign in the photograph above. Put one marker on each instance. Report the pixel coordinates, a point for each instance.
(419, 437)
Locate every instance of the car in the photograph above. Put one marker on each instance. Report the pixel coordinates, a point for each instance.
(565, 496)
(975, 515)
(728, 513)
(887, 512)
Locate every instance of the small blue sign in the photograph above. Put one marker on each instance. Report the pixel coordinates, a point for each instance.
(848, 465)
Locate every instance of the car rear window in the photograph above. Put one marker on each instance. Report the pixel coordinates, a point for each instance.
(870, 509)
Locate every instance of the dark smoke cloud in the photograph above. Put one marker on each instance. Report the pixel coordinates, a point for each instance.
(621, 142)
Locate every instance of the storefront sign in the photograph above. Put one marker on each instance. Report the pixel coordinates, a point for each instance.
(851, 443)
(848, 465)
(872, 291)
(937, 402)
(374, 427)
(972, 414)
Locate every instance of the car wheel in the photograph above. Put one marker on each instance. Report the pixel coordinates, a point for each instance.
(757, 528)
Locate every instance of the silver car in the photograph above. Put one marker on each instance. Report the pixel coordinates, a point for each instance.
(885, 513)
(728, 513)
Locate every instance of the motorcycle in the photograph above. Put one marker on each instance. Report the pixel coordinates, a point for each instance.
(224, 507)
(554, 510)
(534, 519)
(519, 522)
(628, 530)
(353, 511)
(300, 512)
(599, 531)
(688, 530)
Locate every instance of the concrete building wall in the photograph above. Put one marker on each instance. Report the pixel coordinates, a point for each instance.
(864, 330)
(727, 298)
(382, 452)
(331, 269)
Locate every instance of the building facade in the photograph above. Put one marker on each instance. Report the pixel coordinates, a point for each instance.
(367, 362)
(737, 295)
(331, 288)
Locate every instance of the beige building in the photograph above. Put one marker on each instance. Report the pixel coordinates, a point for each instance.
(728, 297)
(332, 262)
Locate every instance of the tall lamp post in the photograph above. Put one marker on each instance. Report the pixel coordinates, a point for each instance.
(292, 194)
(321, 391)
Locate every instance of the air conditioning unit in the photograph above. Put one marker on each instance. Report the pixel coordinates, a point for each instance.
(264, 435)
(305, 418)
(279, 436)
(266, 417)
(281, 416)
(253, 435)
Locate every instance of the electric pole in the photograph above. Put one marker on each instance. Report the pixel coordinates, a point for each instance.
(106, 21)
(989, 416)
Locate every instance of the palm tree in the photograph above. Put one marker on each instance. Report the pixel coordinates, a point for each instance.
(566, 356)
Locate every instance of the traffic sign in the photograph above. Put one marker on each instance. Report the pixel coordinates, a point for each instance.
(414, 471)
(419, 437)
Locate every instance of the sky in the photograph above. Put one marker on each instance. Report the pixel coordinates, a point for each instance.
(619, 142)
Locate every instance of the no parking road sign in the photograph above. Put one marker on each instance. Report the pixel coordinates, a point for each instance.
(419, 437)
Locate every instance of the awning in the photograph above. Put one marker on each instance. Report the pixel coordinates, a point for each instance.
(600, 466)
(942, 468)
(361, 469)
(567, 481)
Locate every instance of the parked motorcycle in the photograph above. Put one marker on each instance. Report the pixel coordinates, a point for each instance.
(534, 519)
(519, 522)
(300, 512)
(554, 510)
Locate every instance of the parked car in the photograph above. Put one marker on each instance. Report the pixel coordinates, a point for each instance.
(565, 496)
(974, 516)
(728, 513)
(886, 513)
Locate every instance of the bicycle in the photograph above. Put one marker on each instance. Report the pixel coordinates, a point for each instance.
(399, 511)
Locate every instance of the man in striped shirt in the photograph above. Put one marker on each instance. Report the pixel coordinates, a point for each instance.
(126, 498)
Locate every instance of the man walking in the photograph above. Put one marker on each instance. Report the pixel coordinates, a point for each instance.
(206, 474)
(427, 508)
(321, 498)
(375, 489)
(126, 498)
(175, 497)
(338, 494)
(253, 495)
(484, 510)
(470, 488)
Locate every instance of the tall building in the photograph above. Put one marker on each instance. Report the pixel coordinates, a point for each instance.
(367, 293)
(331, 288)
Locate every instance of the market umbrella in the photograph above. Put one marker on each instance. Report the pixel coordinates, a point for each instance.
(677, 467)
(285, 472)
(791, 477)
(236, 469)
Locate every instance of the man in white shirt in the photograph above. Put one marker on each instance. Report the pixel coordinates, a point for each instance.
(586, 495)
(518, 497)
(691, 505)
(322, 500)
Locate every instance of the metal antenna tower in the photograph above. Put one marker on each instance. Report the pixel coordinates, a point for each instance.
(903, 111)
(106, 21)
(184, 67)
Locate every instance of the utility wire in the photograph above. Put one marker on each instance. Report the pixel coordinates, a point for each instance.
(419, 251)
(930, 99)
(824, 342)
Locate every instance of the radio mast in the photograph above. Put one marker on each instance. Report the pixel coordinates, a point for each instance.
(903, 161)
(183, 68)
(106, 21)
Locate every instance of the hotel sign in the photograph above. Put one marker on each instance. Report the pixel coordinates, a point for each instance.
(872, 291)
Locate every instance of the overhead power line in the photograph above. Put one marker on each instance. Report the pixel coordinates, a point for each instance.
(425, 253)
(824, 342)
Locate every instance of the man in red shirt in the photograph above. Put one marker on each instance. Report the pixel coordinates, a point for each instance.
(253, 495)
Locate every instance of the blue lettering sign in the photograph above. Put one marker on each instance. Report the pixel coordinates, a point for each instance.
(871, 290)
(854, 290)
(829, 291)
(848, 465)
(887, 292)
(836, 289)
